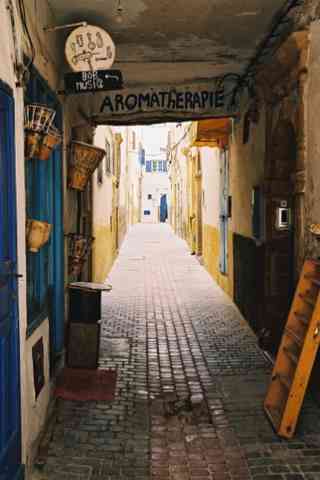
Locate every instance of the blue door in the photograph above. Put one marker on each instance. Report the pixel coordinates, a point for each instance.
(10, 441)
(224, 213)
(163, 208)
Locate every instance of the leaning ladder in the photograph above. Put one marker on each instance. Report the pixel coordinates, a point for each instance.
(297, 353)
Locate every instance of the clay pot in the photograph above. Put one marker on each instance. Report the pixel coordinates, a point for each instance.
(84, 160)
(37, 233)
(49, 142)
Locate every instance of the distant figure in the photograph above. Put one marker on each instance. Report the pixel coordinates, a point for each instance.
(163, 209)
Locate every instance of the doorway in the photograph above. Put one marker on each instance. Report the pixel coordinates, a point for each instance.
(279, 246)
(224, 214)
(10, 416)
(163, 208)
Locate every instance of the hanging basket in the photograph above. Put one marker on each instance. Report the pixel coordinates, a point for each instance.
(314, 228)
(38, 118)
(41, 137)
(37, 234)
(33, 141)
(49, 142)
(79, 249)
(84, 160)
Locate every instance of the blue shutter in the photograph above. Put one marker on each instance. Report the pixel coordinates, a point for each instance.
(148, 166)
(45, 277)
(142, 156)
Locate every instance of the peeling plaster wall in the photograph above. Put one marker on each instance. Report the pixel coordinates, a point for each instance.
(313, 142)
(246, 171)
(103, 247)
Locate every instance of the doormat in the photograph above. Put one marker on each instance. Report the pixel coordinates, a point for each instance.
(85, 385)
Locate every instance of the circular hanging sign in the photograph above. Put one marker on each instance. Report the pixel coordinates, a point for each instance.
(89, 48)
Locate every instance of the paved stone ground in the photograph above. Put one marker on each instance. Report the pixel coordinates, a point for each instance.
(172, 334)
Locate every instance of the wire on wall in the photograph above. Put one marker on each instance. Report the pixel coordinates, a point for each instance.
(280, 28)
(27, 32)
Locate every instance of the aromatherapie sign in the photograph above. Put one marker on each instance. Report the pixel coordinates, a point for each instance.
(156, 104)
(164, 100)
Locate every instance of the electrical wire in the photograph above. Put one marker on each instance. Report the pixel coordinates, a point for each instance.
(174, 147)
(268, 45)
(27, 32)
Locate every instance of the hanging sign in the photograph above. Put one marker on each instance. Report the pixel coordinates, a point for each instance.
(89, 48)
(157, 104)
(97, 81)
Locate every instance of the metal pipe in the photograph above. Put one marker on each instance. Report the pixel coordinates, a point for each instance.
(62, 27)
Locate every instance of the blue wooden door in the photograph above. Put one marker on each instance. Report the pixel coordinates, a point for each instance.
(10, 438)
(163, 208)
(224, 214)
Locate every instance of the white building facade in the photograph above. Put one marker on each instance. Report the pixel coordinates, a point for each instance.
(155, 185)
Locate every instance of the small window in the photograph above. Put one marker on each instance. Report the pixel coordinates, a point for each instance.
(154, 165)
(146, 212)
(160, 166)
(165, 166)
(108, 157)
(149, 196)
(148, 166)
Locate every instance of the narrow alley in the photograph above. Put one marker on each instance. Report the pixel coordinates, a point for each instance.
(190, 383)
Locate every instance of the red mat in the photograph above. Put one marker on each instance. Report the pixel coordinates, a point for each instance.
(84, 385)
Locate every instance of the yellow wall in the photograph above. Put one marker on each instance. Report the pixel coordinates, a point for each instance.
(211, 252)
(103, 253)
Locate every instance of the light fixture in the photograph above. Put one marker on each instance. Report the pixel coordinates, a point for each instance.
(119, 18)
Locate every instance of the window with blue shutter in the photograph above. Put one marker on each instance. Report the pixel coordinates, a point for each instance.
(45, 288)
(148, 166)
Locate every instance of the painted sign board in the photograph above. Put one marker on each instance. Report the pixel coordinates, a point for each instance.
(157, 104)
(98, 81)
(90, 48)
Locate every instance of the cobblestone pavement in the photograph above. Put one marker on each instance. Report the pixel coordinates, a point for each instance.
(172, 334)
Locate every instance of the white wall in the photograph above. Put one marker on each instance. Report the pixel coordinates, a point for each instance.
(134, 171)
(156, 184)
(210, 166)
(154, 139)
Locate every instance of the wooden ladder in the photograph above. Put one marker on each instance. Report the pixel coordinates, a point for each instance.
(296, 355)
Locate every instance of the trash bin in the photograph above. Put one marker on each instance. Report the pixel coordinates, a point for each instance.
(84, 327)
(83, 345)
